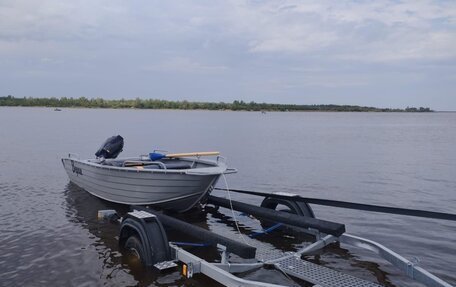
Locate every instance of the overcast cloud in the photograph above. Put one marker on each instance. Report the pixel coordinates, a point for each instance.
(376, 53)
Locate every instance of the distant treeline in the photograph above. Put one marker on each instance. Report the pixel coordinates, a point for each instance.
(186, 105)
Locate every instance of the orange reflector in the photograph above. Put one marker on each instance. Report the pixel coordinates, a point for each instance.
(184, 270)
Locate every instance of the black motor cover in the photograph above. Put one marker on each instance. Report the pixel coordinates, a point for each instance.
(111, 147)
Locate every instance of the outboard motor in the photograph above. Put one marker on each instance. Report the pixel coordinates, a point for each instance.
(111, 147)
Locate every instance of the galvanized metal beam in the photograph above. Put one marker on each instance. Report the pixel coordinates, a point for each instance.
(411, 269)
(213, 271)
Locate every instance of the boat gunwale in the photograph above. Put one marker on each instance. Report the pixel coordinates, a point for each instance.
(218, 167)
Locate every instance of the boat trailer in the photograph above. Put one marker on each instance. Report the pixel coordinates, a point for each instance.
(143, 231)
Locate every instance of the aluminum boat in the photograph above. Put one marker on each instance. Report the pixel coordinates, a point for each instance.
(170, 183)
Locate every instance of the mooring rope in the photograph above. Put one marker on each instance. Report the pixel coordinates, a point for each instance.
(232, 211)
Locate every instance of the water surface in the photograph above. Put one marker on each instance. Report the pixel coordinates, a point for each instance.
(50, 235)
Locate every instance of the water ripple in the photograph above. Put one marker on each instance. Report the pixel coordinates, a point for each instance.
(49, 231)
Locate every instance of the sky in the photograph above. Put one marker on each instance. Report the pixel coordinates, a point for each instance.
(370, 53)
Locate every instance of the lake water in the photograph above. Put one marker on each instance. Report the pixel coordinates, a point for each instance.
(48, 227)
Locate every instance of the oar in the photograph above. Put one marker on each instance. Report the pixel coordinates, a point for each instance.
(156, 156)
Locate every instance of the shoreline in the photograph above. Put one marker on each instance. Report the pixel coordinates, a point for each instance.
(156, 104)
(62, 108)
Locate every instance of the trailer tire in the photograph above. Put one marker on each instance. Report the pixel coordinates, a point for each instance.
(295, 207)
(146, 239)
(135, 246)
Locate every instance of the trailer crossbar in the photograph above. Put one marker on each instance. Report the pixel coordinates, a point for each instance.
(325, 226)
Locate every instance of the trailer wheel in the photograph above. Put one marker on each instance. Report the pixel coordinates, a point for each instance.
(144, 239)
(135, 247)
(298, 208)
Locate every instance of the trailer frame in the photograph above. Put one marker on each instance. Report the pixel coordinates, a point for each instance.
(289, 263)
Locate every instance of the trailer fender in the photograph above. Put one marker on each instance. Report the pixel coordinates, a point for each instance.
(298, 208)
(146, 237)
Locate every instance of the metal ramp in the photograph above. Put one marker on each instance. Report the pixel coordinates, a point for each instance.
(291, 263)
(319, 275)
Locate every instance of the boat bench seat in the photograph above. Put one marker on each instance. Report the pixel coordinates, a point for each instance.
(170, 165)
(118, 163)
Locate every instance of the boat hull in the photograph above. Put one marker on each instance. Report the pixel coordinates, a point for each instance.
(175, 190)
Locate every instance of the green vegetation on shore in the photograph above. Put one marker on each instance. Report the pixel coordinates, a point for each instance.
(185, 105)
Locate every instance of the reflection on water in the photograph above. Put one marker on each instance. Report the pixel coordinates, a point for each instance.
(82, 209)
